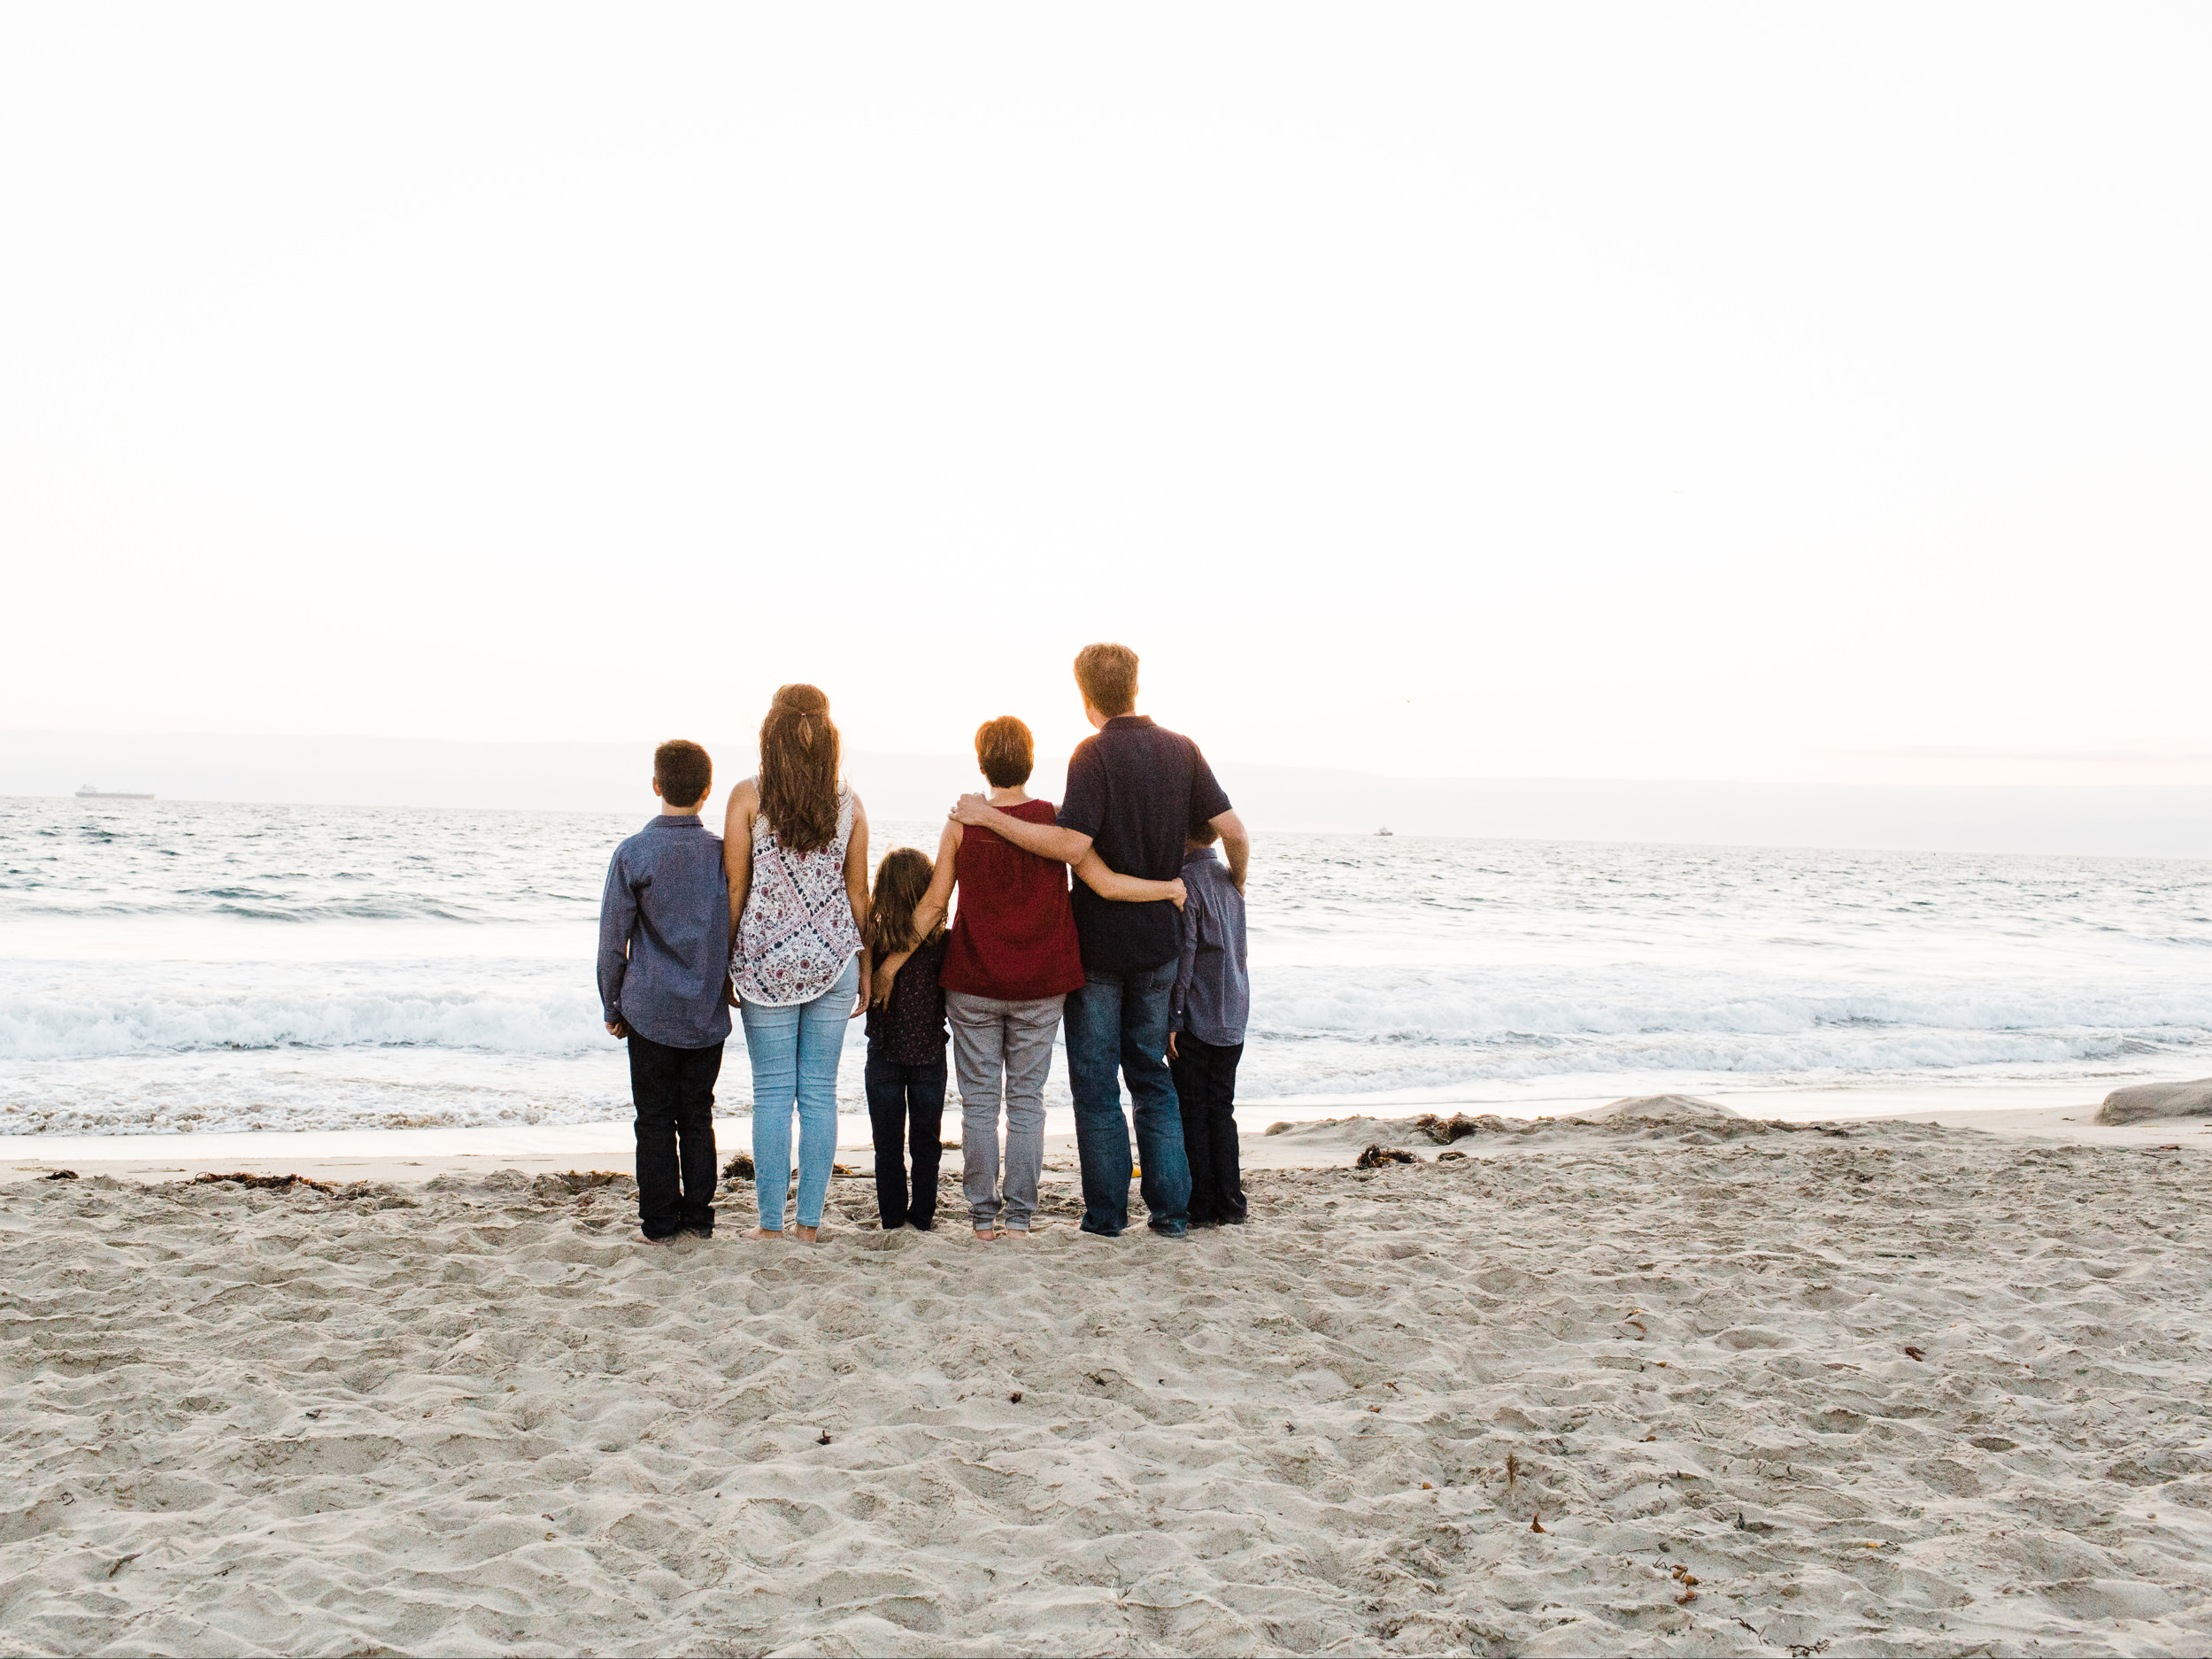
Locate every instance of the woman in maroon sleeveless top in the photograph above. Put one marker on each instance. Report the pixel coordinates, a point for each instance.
(1009, 963)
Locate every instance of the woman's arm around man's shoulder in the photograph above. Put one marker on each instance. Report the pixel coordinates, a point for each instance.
(1130, 889)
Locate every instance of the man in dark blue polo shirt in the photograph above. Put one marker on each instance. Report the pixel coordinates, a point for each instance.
(1134, 789)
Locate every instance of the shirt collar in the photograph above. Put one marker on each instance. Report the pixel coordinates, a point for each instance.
(1125, 723)
(1197, 855)
(673, 820)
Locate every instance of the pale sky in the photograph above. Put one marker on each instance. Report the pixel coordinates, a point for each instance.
(1758, 392)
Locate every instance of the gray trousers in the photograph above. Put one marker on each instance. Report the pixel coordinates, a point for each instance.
(1002, 1052)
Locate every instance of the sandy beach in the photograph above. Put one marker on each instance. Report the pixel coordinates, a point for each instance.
(2064, 1111)
(1689, 1385)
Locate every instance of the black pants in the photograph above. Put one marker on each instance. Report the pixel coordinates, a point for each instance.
(1205, 1088)
(906, 1105)
(674, 1092)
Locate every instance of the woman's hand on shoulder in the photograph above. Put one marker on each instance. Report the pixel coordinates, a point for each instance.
(973, 809)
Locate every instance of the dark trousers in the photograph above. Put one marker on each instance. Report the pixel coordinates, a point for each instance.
(906, 1109)
(674, 1092)
(1206, 1089)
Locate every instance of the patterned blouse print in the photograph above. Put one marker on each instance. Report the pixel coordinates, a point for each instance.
(797, 931)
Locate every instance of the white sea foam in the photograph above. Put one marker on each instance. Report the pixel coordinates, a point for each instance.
(1485, 1005)
(256, 968)
(523, 1009)
(53, 1024)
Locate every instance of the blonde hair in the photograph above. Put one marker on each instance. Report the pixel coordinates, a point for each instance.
(1107, 675)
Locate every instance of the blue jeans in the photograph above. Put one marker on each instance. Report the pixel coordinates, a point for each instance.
(795, 1052)
(1119, 1022)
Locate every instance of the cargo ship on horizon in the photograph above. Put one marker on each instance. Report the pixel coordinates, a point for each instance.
(93, 791)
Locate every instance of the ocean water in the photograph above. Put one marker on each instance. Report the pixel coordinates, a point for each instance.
(199, 966)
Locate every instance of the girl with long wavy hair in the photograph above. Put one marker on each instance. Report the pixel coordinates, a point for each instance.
(905, 1064)
(796, 846)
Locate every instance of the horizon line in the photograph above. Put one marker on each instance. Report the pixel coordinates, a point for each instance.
(1698, 781)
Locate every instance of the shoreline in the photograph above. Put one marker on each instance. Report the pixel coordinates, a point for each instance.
(2049, 1111)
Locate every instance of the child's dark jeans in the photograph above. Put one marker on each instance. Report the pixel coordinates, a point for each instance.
(674, 1092)
(905, 1111)
(1206, 1089)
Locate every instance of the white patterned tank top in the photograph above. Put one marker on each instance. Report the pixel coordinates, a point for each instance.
(797, 931)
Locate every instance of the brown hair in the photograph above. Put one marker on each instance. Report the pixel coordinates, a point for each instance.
(1005, 752)
(799, 750)
(684, 771)
(1107, 675)
(1203, 833)
(901, 880)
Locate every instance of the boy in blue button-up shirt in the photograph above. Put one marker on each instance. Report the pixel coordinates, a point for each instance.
(664, 966)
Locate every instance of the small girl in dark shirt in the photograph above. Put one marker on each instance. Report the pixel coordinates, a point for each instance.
(906, 1030)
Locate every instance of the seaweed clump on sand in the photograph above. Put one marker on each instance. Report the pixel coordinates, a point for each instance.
(1444, 1131)
(571, 1182)
(279, 1183)
(1376, 1156)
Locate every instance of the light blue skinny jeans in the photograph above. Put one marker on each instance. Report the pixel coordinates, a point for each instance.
(795, 1052)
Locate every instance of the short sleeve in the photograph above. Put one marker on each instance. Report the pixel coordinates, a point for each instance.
(1084, 810)
(1206, 798)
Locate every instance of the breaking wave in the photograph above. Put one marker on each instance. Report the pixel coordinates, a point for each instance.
(244, 967)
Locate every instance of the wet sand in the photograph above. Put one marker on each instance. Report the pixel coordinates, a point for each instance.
(2063, 1112)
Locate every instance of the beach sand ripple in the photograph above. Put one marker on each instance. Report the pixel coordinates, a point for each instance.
(1904, 1391)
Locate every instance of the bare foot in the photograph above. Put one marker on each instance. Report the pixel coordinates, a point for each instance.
(987, 1235)
(1017, 1232)
(650, 1240)
(766, 1233)
(808, 1235)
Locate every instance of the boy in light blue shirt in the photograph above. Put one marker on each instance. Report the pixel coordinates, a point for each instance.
(1207, 1010)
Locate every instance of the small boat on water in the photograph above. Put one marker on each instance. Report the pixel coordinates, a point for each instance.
(93, 791)
(1384, 831)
